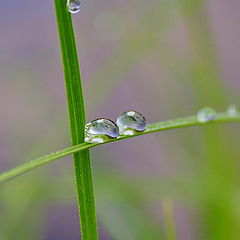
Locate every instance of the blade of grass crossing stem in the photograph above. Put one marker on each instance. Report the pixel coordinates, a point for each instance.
(83, 172)
(151, 128)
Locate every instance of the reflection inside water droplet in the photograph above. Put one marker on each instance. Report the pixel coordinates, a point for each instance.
(73, 6)
(131, 122)
(206, 114)
(100, 130)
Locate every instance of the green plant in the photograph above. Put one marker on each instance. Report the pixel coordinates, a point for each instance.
(77, 119)
(76, 109)
(161, 126)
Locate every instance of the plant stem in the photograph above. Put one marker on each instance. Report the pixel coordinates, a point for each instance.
(83, 172)
(156, 127)
(167, 206)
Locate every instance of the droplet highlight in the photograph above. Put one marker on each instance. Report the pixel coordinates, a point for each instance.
(131, 122)
(206, 114)
(73, 6)
(232, 110)
(100, 130)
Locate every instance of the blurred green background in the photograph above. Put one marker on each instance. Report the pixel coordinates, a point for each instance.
(164, 58)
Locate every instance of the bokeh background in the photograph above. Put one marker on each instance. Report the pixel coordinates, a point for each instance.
(164, 58)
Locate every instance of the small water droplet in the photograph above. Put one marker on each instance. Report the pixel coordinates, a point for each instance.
(206, 114)
(73, 6)
(131, 122)
(100, 130)
(232, 110)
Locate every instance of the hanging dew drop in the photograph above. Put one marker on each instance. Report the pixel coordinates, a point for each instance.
(232, 110)
(100, 130)
(131, 122)
(73, 6)
(206, 114)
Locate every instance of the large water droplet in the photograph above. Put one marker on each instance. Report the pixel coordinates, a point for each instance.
(73, 6)
(232, 110)
(100, 130)
(131, 122)
(206, 114)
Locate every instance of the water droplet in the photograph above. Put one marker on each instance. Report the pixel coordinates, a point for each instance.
(73, 6)
(232, 110)
(206, 114)
(100, 130)
(131, 122)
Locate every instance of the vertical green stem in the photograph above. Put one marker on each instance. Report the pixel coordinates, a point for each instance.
(167, 206)
(83, 172)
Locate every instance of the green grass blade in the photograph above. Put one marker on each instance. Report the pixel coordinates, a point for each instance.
(75, 101)
(156, 127)
(167, 206)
